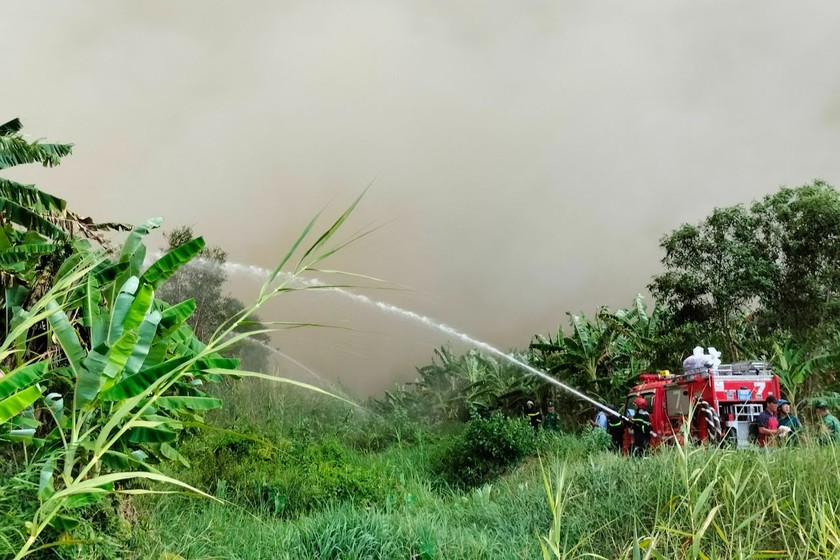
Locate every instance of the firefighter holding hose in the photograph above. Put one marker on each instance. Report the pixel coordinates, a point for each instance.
(641, 427)
(615, 427)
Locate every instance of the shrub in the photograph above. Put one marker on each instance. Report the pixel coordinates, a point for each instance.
(289, 478)
(486, 448)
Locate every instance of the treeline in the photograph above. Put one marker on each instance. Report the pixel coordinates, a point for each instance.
(757, 281)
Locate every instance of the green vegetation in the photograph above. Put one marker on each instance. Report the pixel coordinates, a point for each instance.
(698, 504)
(100, 378)
(114, 442)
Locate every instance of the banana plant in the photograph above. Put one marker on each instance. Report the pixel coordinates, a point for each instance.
(583, 353)
(99, 377)
(37, 231)
(794, 366)
(134, 369)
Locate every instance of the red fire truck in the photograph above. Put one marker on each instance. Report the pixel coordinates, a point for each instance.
(727, 399)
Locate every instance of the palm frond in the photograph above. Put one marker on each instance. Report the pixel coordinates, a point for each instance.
(31, 197)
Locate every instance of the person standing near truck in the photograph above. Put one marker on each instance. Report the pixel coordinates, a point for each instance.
(641, 427)
(551, 421)
(788, 420)
(768, 422)
(533, 414)
(600, 420)
(615, 428)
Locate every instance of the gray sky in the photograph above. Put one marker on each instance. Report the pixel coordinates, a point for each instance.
(526, 156)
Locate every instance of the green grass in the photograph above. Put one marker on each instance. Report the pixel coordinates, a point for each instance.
(419, 519)
(308, 486)
(697, 504)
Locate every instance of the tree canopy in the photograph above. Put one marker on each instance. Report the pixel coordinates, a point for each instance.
(774, 264)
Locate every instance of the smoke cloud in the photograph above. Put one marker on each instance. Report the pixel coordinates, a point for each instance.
(525, 157)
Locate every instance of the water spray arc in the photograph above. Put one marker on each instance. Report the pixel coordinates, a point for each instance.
(285, 356)
(257, 272)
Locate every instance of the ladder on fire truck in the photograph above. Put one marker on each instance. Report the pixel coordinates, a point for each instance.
(739, 415)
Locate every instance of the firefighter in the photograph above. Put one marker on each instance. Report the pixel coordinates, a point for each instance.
(551, 421)
(615, 427)
(641, 427)
(534, 415)
(831, 426)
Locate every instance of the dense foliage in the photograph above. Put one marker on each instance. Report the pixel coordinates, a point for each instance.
(100, 378)
(485, 449)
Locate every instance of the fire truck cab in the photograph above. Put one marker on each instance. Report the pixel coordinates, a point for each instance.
(734, 393)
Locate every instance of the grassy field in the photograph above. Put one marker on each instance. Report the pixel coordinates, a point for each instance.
(676, 504)
(317, 481)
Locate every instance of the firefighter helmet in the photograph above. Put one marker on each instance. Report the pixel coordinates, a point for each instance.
(640, 402)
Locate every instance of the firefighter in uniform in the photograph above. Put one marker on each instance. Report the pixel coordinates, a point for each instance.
(534, 415)
(615, 427)
(641, 427)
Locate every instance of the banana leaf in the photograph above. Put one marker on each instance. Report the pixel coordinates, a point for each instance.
(122, 304)
(15, 150)
(67, 337)
(20, 254)
(119, 354)
(134, 242)
(139, 307)
(169, 263)
(175, 315)
(45, 483)
(15, 404)
(31, 197)
(56, 403)
(191, 403)
(144, 434)
(172, 454)
(134, 385)
(9, 128)
(145, 337)
(22, 377)
(30, 220)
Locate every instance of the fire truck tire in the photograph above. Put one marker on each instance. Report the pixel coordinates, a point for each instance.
(715, 426)
(710, 416)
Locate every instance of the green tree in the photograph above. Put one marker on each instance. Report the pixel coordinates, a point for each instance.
(715, 273)
(640, 337)
(795, 366)
(799, 229)
(605, 355)
(454, 386)
(37, 231)
(100, 377)
(584, 358)
(746, 274)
